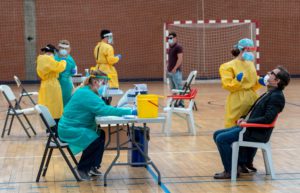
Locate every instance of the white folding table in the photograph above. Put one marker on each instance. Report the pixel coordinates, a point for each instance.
(122, 121)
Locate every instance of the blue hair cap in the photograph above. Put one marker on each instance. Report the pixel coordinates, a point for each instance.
(244, 43)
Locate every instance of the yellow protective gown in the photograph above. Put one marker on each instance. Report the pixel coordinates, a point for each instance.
(50, 93)
(242, 94)
(105, 59)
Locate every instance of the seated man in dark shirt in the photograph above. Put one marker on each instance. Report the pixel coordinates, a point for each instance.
(264, 111)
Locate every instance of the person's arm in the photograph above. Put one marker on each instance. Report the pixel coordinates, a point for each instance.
(257, 85)
(178, 63)
(273, 108)
(73, 65)
(229, 81)
(96, 105)
(111, 58)
(57, 66)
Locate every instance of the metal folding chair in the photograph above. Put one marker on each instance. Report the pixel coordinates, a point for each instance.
(15, 111)
(53, 143)
(24, 92)
(265, 147)
(186, 87)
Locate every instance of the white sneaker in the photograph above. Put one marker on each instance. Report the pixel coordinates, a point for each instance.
(94, 172)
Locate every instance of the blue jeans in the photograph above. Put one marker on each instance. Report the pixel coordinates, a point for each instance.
(176, 81)
(224, 139)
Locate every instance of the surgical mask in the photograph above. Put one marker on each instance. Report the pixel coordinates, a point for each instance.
(110, 40)
(266, 79)
(102, 90)
(63, 52)
(248, 56)
(170, 41)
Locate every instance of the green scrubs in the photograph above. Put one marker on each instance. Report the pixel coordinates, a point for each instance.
(65, 78)
(77, 126)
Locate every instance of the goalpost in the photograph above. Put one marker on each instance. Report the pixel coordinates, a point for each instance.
(207, 44)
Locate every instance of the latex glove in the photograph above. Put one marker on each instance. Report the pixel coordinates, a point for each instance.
(261, 81)
(73, 71)
(134, 111)
(119, 56)
(239, 77)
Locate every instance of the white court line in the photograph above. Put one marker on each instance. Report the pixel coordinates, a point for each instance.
(153, 153)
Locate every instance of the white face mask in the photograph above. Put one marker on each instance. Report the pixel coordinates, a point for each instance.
(170, 41)
(266, 79)
(63, 52)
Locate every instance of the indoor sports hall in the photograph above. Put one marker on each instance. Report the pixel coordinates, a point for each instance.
(152, 142)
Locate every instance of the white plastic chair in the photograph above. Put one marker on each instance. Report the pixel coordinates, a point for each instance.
(170, 109)
(24, 92)
(52, 143)
(265, 147)
(15, 111)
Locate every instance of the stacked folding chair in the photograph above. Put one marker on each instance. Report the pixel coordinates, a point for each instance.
(14, 110)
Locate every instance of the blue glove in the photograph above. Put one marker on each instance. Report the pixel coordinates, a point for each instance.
(119, 56)
(73, 71)
(239, 76)
(134, 112)
(261, 81)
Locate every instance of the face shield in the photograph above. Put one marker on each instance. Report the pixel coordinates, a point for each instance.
(109, 37)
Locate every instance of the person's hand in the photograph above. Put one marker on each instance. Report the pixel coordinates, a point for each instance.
(134, 111)
(240, 121)
(261, 81)
(119, 56)
(239, 77)
(174, 70)
(73, 71)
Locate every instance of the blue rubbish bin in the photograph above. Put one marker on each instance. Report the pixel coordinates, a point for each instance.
(134, 155)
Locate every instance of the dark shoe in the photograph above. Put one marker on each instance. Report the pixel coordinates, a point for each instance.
(251, 167)
(222, 175)
(83, 175)
(181, 105)
(243, 169)
(94, 172)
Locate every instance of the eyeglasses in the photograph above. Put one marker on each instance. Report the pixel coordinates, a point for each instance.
(273, 73)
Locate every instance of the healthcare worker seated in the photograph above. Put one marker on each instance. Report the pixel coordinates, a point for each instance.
(78, 128)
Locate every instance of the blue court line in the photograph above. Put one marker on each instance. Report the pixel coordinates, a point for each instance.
(33, 187)
(228, 181)
(70, 186)
(7, 189)
(162, 185)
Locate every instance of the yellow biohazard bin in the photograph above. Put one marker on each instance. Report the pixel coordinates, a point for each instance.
(147, 105)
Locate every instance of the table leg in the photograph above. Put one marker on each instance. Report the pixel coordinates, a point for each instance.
(109, 137)
(116, 158)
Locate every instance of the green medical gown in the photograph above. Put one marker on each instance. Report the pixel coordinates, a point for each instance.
(65, 78)
(77, 126)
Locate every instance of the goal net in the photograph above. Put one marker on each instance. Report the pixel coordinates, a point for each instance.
(208, 44)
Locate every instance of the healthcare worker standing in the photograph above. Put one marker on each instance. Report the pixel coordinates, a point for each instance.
(65, 77)
(105, 58)
(78, 128)
(240, 78)
(48, 70)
